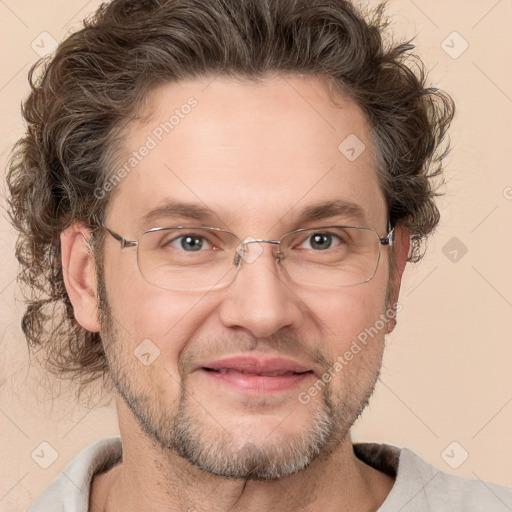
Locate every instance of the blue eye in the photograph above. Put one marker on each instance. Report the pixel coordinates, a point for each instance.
(190, 243)
(321, 241)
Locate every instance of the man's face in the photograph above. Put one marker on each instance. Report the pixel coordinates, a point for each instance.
(256, 156)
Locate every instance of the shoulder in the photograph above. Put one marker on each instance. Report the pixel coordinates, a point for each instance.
(421, 487)
(69, 492)
(453, 492)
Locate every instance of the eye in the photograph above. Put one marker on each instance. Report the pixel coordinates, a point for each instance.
(190, 243)
(320, 241)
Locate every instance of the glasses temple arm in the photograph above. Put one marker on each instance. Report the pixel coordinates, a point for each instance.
(124, 243)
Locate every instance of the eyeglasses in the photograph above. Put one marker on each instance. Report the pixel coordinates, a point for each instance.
(205, 258)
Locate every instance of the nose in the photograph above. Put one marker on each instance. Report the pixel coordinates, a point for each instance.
(259, 300)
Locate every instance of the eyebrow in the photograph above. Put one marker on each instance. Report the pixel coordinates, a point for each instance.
(176, 209)
(192, 211)
(328, 209)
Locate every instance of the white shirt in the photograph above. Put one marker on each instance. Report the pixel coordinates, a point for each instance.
(419, 486)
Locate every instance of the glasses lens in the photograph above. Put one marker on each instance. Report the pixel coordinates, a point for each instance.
(184, 258)
(332, 256)
(188, 258)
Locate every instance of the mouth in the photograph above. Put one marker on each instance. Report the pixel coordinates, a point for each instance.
(233, 371)
(249, 374)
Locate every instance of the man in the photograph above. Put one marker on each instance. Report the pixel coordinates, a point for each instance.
(219, 199)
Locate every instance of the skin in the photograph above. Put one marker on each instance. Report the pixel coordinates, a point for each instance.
(255, 155)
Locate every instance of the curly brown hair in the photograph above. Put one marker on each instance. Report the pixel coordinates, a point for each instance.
(94, 85)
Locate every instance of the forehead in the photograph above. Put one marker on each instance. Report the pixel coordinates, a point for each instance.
(248, 155)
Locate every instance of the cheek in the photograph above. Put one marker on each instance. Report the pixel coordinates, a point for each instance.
(143, 312)
(342, 315)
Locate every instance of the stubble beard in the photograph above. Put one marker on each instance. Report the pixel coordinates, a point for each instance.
(188, 430)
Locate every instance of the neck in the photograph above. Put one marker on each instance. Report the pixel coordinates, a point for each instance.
(153, 479)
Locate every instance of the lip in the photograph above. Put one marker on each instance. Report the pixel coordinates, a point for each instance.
(256, 365)
(250, 373)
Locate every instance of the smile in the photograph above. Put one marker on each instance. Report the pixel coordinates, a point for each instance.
(231, 371)
(250, 374)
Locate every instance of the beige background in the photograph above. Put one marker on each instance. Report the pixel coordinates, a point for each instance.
(447, 371)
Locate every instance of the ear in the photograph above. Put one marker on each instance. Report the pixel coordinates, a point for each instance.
(401, 248)
(78, 268)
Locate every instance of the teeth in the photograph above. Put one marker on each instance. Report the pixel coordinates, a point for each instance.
(261, 374)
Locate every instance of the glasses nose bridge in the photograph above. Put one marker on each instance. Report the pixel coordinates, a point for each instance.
(241, 249)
